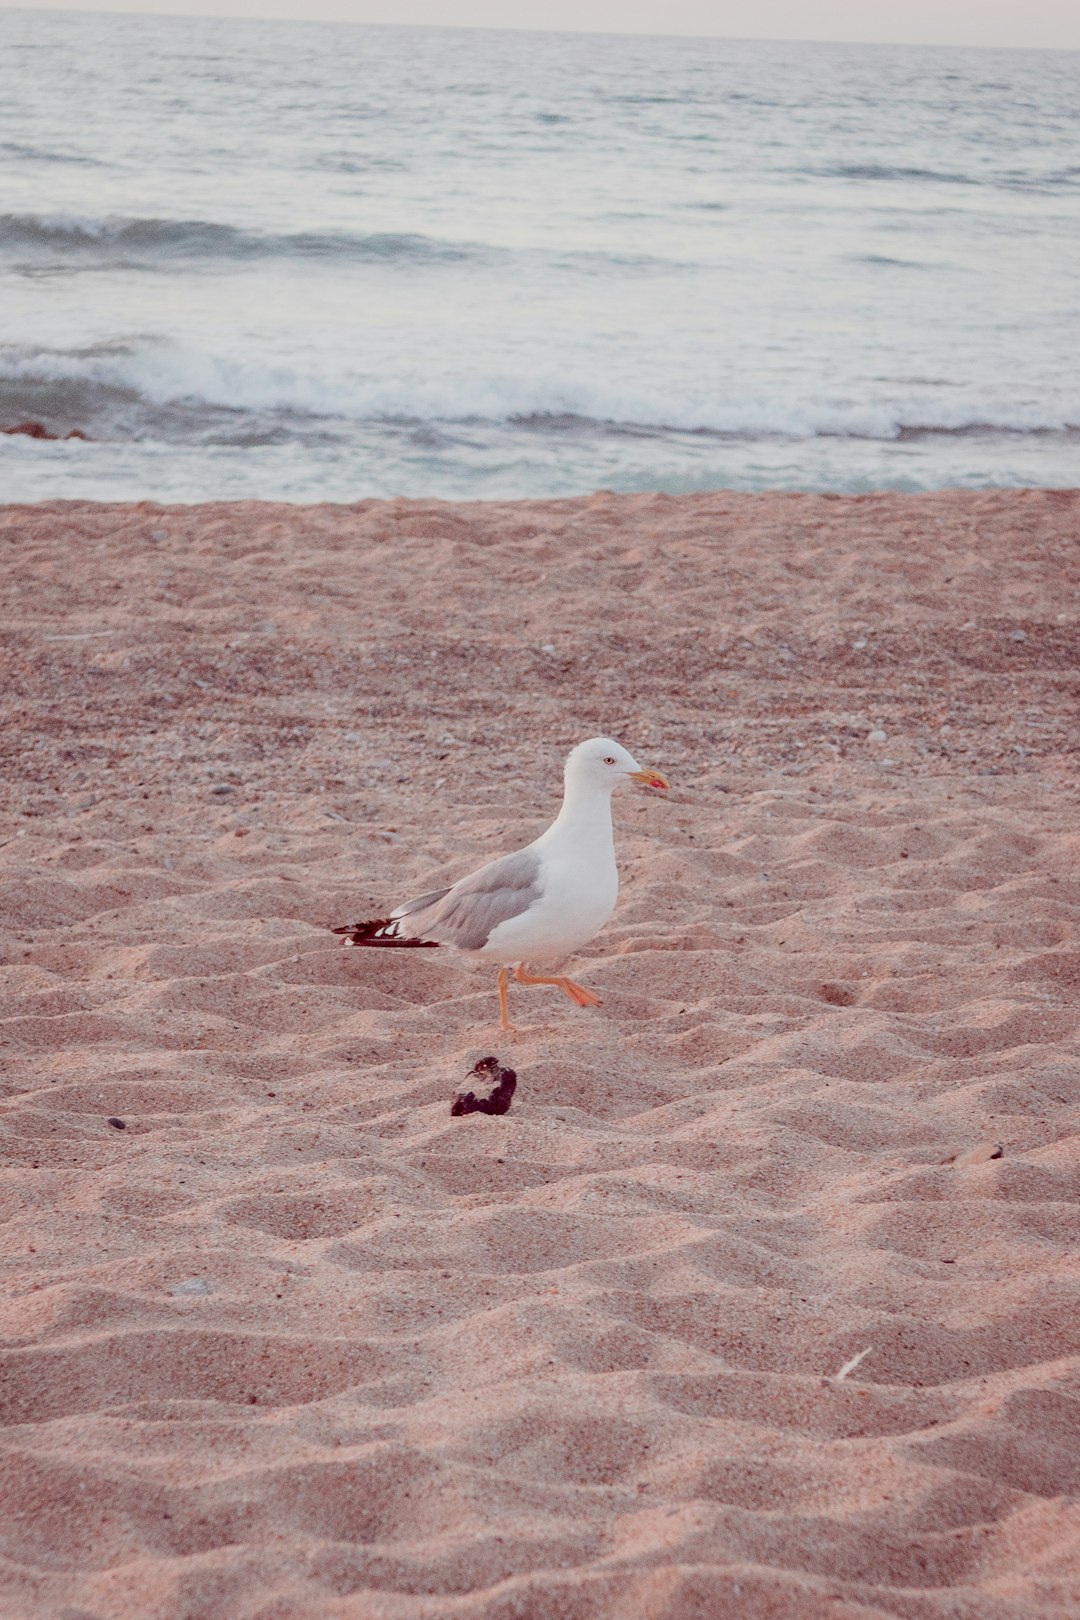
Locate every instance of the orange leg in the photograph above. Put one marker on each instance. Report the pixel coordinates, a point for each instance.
(504, 1001)
(577, 992)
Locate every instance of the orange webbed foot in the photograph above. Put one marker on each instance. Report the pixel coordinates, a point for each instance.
(579, 994)
(576, 992)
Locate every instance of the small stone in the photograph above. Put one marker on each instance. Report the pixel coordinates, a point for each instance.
(1017, 635)
(158, 535)
(857, 646)
(876, 736)
(223, 787)
(191, 1285)
(117, 1124)
(548, 647)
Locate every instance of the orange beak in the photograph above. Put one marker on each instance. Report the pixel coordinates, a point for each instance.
(651, 779)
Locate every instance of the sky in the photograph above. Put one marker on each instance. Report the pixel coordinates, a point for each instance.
(1053, 24)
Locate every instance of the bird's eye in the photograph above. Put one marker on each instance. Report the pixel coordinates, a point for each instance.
(609, 759)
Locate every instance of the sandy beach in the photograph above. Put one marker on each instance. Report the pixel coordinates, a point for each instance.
(282, 1339)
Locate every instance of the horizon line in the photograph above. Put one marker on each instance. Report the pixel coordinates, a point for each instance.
(510, 28)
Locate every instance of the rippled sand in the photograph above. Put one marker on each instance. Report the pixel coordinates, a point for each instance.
(294, 1342)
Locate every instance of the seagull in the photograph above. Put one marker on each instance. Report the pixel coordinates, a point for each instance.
(539, 904)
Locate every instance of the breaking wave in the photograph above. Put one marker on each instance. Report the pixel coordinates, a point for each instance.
(152, 388)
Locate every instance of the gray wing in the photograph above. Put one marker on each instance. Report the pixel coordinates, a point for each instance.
(420, 904)
(467, 914)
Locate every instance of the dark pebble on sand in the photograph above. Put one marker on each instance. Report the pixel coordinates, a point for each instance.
(117, 1124)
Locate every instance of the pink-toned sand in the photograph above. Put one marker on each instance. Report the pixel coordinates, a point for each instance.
(297, 1345)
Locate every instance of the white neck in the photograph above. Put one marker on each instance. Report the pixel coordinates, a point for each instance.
(586, 812)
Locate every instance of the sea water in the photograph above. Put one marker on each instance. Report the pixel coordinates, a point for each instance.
(314, 261)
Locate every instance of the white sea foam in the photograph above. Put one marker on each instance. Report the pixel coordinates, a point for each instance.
(156, 373)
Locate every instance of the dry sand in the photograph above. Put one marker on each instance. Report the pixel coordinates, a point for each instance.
(296, 1343)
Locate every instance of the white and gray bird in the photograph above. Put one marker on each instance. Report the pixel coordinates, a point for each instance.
(540, 904)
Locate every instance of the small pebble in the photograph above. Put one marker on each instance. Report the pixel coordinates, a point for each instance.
(192, 1285)
(223, 787)
(876, 736)
(117, 1124)
(548, 647)
(1017, 635)
(860, 644)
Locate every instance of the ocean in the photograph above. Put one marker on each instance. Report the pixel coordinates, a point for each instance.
(311, 261)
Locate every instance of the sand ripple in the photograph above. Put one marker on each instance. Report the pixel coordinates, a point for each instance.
(294, 1344)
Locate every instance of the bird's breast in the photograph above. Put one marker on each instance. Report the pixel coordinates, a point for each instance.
(583, 881)
(577, 900)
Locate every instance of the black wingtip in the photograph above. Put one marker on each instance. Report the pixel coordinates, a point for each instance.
(382, 931)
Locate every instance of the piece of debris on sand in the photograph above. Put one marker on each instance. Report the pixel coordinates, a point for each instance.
(487, 1073)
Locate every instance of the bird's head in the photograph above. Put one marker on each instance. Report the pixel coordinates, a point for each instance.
(603, 763)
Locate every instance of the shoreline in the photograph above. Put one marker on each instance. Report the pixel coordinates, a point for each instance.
(761, 1297)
